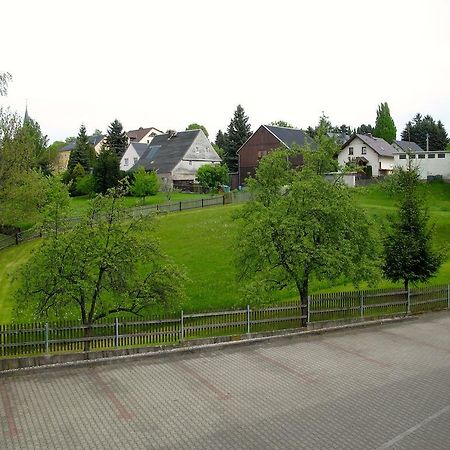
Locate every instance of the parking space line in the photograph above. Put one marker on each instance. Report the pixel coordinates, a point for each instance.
(122, 411)
(400, 436)
(7, 407)
(222, 395)
(306, 378)
(356, 353)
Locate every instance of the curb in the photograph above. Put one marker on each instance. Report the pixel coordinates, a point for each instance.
(196, 348)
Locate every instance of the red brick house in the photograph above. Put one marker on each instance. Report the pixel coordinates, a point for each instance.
(264, 140)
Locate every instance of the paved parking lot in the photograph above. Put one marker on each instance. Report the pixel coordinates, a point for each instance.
(385, 386)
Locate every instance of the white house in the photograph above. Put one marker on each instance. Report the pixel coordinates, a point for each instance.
(366, 150)
(143, 135)
(428, 163)
(176, 157)
(132, 154)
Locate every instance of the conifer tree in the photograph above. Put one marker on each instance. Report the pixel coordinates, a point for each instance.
(238, 132)
(106, 170)
(80, 153)
(420, 127)
(116, 139)
(384, 124)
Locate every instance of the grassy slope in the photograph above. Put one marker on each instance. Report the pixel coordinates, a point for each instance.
(202, 240)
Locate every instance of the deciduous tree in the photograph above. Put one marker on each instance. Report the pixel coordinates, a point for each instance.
(196, 126)
(212, 176)
(384, 124)
(145, 183)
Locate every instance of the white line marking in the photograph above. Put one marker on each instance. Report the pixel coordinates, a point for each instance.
(414, 428)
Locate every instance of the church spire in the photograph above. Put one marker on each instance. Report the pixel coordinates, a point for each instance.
(26, 117)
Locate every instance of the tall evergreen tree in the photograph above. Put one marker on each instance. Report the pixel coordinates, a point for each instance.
(384, 124)
(106, 170)
(221, 139)
(81, 152)
(419, 127)
(238, 132)
(116, 139)
(408, 252)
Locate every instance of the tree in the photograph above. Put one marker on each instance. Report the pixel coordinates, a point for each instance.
(238, 132)
(408, 250)
(365, 129)
(422, 128)
(145, 183)
(212, 176)
(107, 264)
(281, 123)
(106, 170)
(116, 139)
(384, 124)
(196, 126)
(298, 227)
(221, 139)
(5, 78)
(81, 152)
(97, 132)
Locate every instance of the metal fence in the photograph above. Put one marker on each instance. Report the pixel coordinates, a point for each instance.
(217, 200)
(71, 336)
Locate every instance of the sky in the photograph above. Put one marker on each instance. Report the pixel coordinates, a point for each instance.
(169, 63)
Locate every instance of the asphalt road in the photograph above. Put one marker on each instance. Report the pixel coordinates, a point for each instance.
(379, 387)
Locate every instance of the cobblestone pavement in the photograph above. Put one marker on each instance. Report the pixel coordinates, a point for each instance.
(379, 387)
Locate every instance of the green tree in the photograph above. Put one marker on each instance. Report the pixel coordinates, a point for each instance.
(299, 227)
(212, 176)
(5, 78)
(108, 263)
(221, 139)
(365, 129)
(422, 128)
(196, 126)
(238, 132)
(116, 139)
(408, 252)
(85, 185)
(281, 123)
(145, 183)
(81, 152)
(384, 124)
(97, 132)
(106, 170)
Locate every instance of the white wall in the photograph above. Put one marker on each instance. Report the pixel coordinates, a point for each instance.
(130, 155)
(427, 166)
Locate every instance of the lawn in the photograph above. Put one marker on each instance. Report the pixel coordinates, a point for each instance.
(202, 241)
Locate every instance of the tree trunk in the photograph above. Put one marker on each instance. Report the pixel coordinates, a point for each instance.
(303, 291)
(87, 336)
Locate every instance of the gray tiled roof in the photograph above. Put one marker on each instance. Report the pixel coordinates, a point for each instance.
(165, 152)
(408, 146)
(94, 140)
(139, 147)
(379, 145)
(289, 136)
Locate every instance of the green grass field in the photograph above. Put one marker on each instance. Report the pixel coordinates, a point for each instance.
(201, 240)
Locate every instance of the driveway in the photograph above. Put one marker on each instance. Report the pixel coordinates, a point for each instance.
(384, 386)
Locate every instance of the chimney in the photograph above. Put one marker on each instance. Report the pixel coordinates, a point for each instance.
(369, 134)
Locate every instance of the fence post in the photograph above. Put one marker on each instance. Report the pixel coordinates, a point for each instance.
(202, 202)
(17, 238)
(248, 319)
(182, 327)
(361, 306)
(180, 205)
(116, 332)
(157, 208)
(448, 296)
(223, 199)
(408, 309)
(46, 337)
(308, 313)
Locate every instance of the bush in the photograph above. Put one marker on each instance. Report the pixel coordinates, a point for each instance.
(145, 183)
(212, 176)
(85, 185)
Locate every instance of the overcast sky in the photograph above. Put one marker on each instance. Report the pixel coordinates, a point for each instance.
(169, 63)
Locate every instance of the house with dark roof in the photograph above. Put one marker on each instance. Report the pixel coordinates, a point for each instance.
(368, 151)
(176, 156)
(406, 146)
(143, 135)
(64, 152)
(132, 154)
(264, 140)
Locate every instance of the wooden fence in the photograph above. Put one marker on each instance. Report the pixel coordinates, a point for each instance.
(70, 336)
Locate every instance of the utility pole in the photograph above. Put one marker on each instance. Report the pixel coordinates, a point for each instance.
(428, 142)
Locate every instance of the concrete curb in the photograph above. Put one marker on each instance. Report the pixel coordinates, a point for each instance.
(192, 346)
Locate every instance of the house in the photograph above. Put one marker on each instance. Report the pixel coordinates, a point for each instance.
(406, 146)
(368, 151)
(143, 135)
(176, 156)
(264, 140)
(64, 152)
(132, 154)
(429, 164)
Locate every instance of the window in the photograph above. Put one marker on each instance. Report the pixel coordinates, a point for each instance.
(350, 150)
(190, 163)
(262, 153)
(431, 155)
(441, 155)
(135, 160)
(402, 156)
(126, 162)
(363, 151)
(412, 156)
(421, 156)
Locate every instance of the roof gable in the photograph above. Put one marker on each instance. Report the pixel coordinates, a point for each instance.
(289, 136)
(137, 135)
(378, 145)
